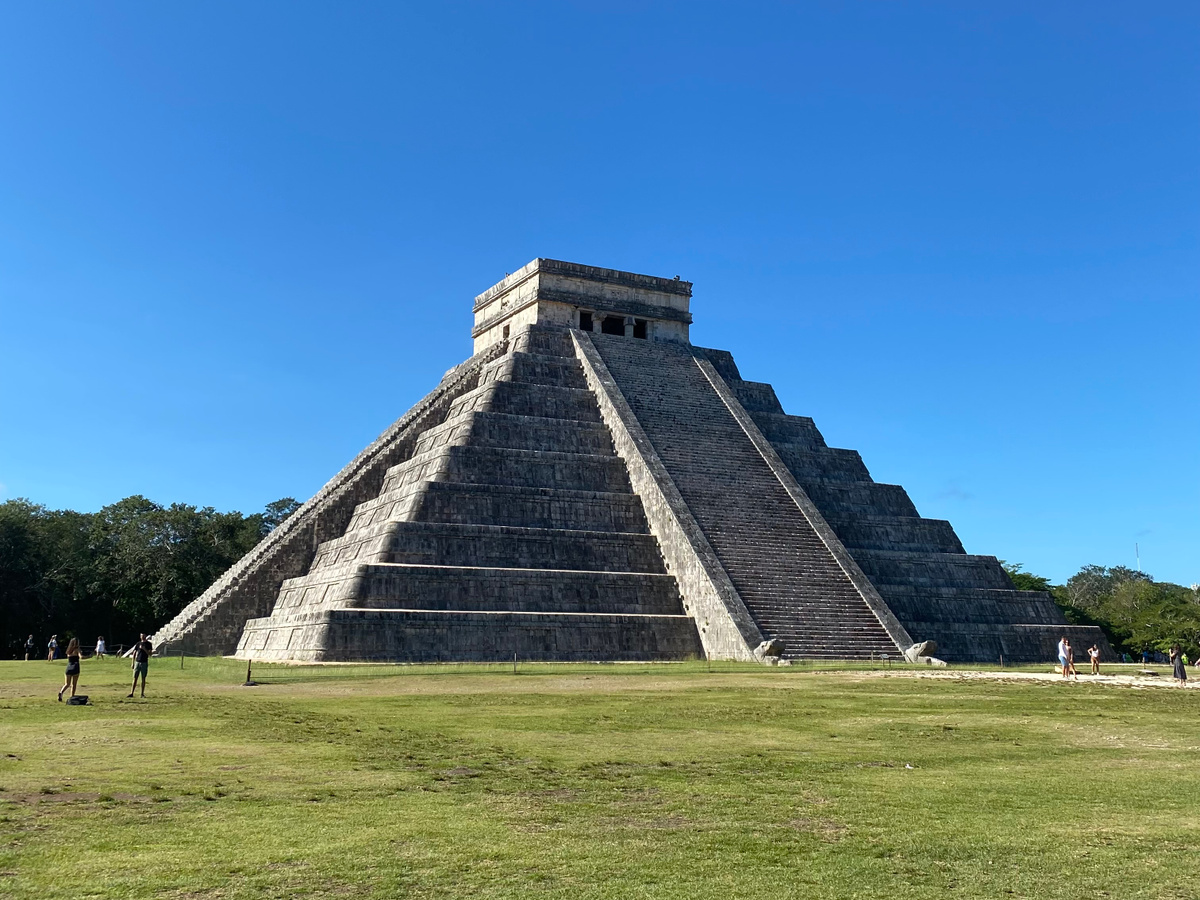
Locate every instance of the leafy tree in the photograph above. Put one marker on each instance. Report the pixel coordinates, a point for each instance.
(131, 566)
(278, 511)
(1025, 581)
(1135, 611)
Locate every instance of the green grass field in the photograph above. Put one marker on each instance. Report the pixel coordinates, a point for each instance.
(663, 781)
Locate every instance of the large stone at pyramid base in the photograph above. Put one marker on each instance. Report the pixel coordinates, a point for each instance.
(427, 636)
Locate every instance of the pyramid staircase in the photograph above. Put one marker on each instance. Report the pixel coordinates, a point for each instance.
(966, 603)
(785, 574)
(511, 529)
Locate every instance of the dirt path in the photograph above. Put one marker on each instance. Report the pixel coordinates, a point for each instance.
(1134, 681)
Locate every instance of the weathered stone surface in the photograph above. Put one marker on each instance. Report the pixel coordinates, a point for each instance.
(591, 486)
(923, 648)
(768, 650)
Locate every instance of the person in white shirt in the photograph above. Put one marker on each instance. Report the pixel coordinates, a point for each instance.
(1062, 656)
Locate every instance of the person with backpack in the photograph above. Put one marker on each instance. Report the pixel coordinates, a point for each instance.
(52, 648)
(141, 663)
(30, 648)
(72, 681)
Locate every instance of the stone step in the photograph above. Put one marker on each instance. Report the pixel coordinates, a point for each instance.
(834, 498)
(781, 428)
(535, 369)
(491, 429)
(403, 635)
(544, 341)
(471, 504)
(949, 570)
(499, 465)
(525, 548)
(523, 399)
(821, 464)
(859, 531)
(399, 586)
(973, 606)
(757, 397)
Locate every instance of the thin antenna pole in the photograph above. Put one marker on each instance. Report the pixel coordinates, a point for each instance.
(1137, 553)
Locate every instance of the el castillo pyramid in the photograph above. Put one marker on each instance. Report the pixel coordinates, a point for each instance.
(591, 486)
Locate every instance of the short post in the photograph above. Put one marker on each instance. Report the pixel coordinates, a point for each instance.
(180, 659)
(248, 681)
(514, 663)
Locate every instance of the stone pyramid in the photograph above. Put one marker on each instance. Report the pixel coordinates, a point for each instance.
(591, 486)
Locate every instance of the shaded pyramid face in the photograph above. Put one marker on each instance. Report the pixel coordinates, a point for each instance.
(590, 486)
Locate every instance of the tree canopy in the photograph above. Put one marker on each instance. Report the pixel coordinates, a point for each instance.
(129, 567)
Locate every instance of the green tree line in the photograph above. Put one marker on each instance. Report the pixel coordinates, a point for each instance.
(1135, 611)
(129, 567)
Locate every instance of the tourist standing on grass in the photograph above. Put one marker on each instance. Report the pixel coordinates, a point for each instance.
(1070, 658)
(30, 647)
(101, 649)
(1180, 673)
(52, 648)
(1094, 655)
(141, 662)
(72, 669)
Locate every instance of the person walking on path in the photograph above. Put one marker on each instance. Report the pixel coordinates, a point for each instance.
(1062, 655)
(72, 669)
(1070, 658)
(1094, 655)
(101, 649)
(141, 662)
(52, 648)
(1180, 670)
(30, 647)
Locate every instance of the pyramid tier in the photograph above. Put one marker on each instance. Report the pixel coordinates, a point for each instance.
(523, 548)
(423, 636)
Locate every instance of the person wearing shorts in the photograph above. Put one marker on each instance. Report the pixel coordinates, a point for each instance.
(72, 682)
(101, 648)
(141, 662)
(1063, 662)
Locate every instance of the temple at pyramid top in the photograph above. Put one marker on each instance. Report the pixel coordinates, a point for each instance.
(590, 485)
(553, 292)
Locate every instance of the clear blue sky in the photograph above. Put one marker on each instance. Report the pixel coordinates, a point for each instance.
(237, 240)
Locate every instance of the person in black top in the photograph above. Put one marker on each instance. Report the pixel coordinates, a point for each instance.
(72, 669)
(141, 662)
(30, 647)
(1178, 667)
